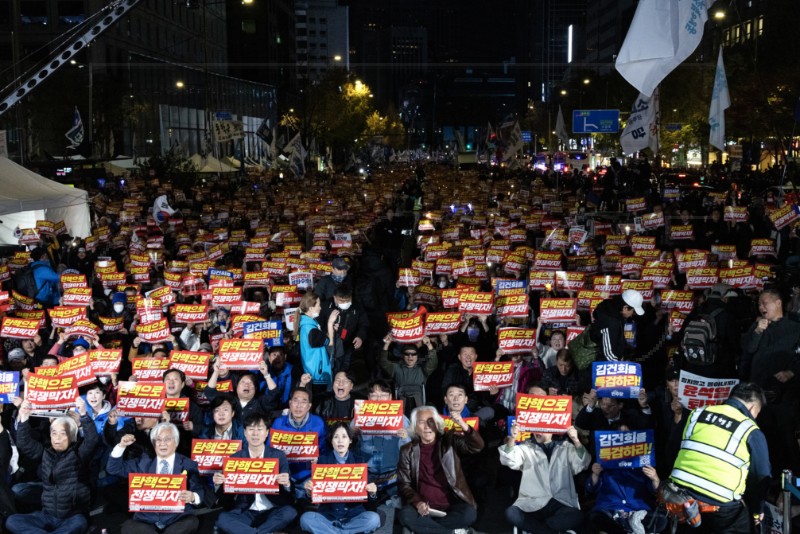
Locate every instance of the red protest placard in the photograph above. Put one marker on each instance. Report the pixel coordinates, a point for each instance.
(105, 361)
(136, 399)
(222, 296)
(80, 368)
(147, 369)
(442, 323)
(450, 297)
(378, 417)
(241, 354)
(683, 301)
(178, 409)
(408, 277)
(155, 331)
(297, 446)
(557, 310)
(407, 327)
(190, 313)
(250, 475)
(516, 340)
(338, 483)
(538, 413)
(511, 306)
(486, 375)
(77, 296)
(210, 453)
(64, 316)
(476, 302)
(193, 364)
(645, 287)
(17, 328)
(51, 393)
(70, 281)
(155, 493)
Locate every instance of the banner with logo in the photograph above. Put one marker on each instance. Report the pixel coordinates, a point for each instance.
(338, 483)
(16, 328)
(105, 361)
(155, 493)
(241, 354)
(516, 340)
(621, 380)
(476, 302)
(193, 364)
(512, 306)
(51, 393)
(442, 323)
(297, 446)
(540, 413)
(251, 475)
(630, 449)
(378, 417)
(145, 399)
(147, 369)
(557, 310)
(271, 332)
(486, 375)
(210, 453)
(155, 331)
(407, 327)
(695, 391)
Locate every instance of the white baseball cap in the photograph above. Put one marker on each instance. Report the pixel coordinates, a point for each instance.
(633, 299)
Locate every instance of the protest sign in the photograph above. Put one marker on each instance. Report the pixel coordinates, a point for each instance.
(136, 399)
(516, 340)
(442, 323)
(486, 375)
(241, 354)
(9, 386)
(210, 453)
(695, 391)
(51, 393)
(297, 446)
(617, 449)
(407, 327)
(378, 417)
(338, 483)
(620, 380)
(537, 413)
(155, 493)
(250, 475)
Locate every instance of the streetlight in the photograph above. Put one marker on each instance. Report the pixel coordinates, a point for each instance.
(179, 84)
(337, 57)
(719, 14)
(563, 92)
(586, 81)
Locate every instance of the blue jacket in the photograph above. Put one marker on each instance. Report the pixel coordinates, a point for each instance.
(284, 382)
(300, 471)
(47, 280)
(316, 360)
(145, 464)
(622, 489)
(336, 511)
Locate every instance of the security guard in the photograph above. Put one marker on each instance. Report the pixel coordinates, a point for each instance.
(723, 452)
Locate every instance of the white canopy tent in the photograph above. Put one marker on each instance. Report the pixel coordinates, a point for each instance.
(210, 164)
(26, 197)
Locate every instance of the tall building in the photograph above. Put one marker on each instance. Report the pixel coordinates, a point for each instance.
(151, 82)
(322, 28)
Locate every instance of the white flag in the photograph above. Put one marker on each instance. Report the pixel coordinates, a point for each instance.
(720, 101)
(662, 35)
(514, 145)
(561, 128)
(641, 131)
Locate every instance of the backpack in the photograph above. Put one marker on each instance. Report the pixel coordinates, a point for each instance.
(25, 281)
(700, 339)
(583, 349)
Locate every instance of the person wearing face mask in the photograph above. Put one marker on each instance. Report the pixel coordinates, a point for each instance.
(477, 331)
(350, 329)
(327, 285)
(315, 345)
(119, 309)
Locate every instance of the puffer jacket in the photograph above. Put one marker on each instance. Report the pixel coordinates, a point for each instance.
(608, 330)
(65, 475)
(450, 447)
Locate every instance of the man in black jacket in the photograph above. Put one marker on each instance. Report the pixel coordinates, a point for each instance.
(608, 330)
(261, 512)
(350, 328)
(63, 470)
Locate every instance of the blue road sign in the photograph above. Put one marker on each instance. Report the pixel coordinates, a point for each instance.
(526, 136)
(595, 121)
(673, 126)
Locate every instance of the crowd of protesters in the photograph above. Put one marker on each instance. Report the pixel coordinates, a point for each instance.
(397, 241)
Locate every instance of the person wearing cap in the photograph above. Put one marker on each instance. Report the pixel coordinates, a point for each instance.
(81, 261)
(608, 330)
(669, 418)
(18, 360)
(327, 285)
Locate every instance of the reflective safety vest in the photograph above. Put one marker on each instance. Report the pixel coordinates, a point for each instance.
(714, 459)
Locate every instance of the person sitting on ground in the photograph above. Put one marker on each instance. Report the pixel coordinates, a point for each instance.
(547, 502)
